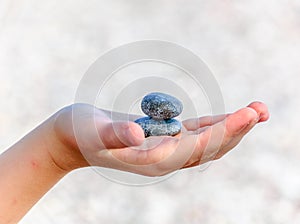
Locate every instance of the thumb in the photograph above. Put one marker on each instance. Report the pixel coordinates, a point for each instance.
(120, 134)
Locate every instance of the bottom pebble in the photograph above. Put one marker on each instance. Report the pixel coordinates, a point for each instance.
(153, 127)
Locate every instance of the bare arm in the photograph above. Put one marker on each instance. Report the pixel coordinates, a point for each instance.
(38, 161)
(27, 172)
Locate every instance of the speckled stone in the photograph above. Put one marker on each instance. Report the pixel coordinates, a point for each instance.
(153, 127)
(161, 106)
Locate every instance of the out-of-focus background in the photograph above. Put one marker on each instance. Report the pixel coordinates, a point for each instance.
(253, 49)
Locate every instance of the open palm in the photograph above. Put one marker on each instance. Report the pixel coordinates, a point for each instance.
(113, 140)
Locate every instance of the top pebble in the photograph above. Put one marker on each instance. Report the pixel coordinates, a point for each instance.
(161, 106)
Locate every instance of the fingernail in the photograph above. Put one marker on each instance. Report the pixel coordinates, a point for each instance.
(128, 135)
(133, 136)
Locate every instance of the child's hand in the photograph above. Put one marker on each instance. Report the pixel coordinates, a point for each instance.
(29, 168)
(107, 143)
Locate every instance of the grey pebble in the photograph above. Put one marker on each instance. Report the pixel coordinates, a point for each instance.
(153, 127)
(161, 106)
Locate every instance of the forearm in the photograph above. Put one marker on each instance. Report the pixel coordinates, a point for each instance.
(27, 172)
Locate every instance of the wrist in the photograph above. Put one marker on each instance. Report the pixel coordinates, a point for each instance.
(61, 143)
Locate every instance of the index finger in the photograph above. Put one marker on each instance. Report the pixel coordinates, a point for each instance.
(196, 123)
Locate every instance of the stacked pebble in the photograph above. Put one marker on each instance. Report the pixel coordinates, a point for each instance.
(161, 109)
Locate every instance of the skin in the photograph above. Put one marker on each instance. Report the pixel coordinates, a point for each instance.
(39, 160)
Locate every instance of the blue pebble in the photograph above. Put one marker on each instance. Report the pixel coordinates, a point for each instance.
(154, 127)
(161, 106)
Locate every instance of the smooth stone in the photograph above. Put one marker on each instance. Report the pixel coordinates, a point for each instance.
(161, 106)
(153, 127)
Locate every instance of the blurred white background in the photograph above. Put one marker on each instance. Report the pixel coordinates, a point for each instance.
(253, 49)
